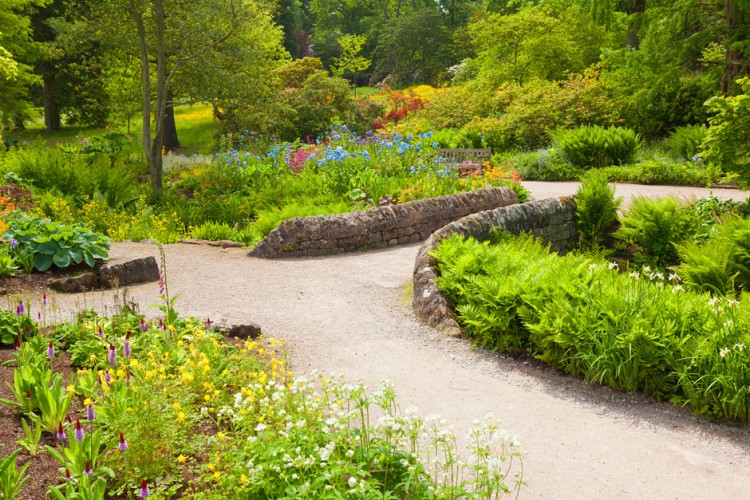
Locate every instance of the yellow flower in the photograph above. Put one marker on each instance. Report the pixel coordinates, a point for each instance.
(134, 363)
(182, 458)
(180, 343)
(243, 479)
(180, 417)
(88, 402)
(207, 397)
(217, 476)
(220, 435)
(71, 390)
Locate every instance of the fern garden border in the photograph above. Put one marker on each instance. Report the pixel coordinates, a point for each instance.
(552, 219)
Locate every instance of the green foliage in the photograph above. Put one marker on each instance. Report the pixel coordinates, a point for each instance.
(727, 142)
(55, 243)
(33, 435)
(664, 173)
(595, 147)
(213, 231)
(721, 263)
(544, 165)
(8, 266)
(13, 326)
(596, 208)
(685, 141)
(350, 59)
(12, 479)
(54, 403)
(633, 332)
(654, 226)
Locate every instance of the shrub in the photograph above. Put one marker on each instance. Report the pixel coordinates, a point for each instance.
(594, 146)
(596, 208)
(685, 141)
(544, 165)
(654, 226)
(666, 173)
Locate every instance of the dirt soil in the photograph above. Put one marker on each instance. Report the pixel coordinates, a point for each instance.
(349, 314)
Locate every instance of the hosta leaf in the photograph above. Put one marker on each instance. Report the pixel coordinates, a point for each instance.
(61, 259)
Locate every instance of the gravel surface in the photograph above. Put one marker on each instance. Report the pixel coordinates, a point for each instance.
(349, 314)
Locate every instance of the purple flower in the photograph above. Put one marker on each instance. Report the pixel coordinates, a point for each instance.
(107, 376)
(112, 356)
(99, 331)
(145, 492)
(123, 445)
(68, 477)
(60, 435)
(143, 325)
(13, 244)
(44, 299)
(50, 351)
(87, 470)
(161, 284)
(126, 345)
(90, 415)
(79, 431)
(208, 324)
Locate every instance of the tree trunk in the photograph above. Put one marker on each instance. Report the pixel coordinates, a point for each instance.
(637, 8)
(171, 142)
(732, 58)
(51, 109)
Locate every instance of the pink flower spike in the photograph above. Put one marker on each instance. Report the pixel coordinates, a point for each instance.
(107, 376)
(112, 356)
(60, 435)
(68, 477)
(44, 299)
(123, 445)
(79, 431)
(126, 345)
(145, 492)
(50, 351)
(143, 325)
(87, 470)
(90, 415)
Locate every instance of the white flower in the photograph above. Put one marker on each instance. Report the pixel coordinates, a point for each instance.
(723, 353)
(713, 301)
(260, 427)
(635, 276)
(732, 302)
(592, 266)
(677, 288)
(613, 266)
(352, 482)
(739, 347)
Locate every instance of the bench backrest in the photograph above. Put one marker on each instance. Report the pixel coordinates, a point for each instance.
(459, 156)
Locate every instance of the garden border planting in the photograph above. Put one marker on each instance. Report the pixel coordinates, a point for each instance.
(553, 220)
(377, 228)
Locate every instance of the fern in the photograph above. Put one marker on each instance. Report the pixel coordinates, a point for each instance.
(596, 208)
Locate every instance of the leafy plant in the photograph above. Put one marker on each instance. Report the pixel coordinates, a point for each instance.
(596, 147)
(33, 435)
(12, 479)
(27, 380)
(57, 243)
(84, 489)
(15, 327)
(8, 266)
(655, 225)
(54, 402)
(685, 141)
(82, 456)
(596, 208)
(213, 231)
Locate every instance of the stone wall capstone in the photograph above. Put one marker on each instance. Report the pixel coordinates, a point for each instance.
(377, 228)
(552, 220)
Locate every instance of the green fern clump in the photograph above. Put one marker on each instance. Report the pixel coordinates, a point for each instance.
(213, 231)
(655, 225)
(721, 264)
(685, 141)
(595, 147)
(596, 208)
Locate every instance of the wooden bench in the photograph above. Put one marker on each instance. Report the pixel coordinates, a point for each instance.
(469, 161)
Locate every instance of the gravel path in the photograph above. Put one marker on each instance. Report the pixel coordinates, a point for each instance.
(348, 314)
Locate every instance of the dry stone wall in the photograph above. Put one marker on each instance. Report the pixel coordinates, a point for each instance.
(552, 220)
(377, 228)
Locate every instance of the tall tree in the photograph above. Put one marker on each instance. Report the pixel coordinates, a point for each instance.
(180, 42)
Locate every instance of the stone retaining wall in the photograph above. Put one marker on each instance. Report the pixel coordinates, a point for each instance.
(377, 228)
(552, 220)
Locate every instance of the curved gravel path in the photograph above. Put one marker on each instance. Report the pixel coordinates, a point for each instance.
(348, 314)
